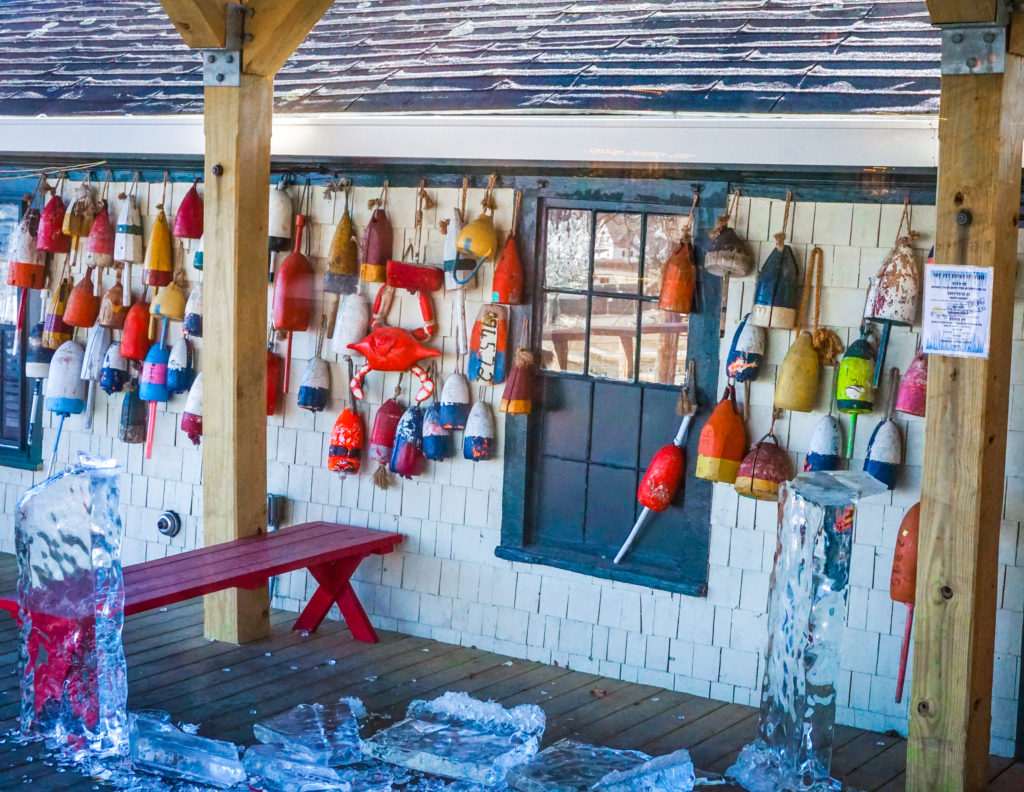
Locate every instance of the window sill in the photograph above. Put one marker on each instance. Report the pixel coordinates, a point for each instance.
(19, 460)
(594, 566)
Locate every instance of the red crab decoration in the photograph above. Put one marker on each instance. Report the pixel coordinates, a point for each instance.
(392, 349)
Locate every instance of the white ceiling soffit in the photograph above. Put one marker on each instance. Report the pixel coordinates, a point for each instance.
(859, 141)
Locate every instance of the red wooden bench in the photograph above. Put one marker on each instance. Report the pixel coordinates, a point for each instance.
(330, 552)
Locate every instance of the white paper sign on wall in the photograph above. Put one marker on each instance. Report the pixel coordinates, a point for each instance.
(957, 311)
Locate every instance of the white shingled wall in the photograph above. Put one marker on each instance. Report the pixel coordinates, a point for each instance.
(446, 583)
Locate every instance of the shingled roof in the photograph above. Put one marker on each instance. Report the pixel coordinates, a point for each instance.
(67, 57)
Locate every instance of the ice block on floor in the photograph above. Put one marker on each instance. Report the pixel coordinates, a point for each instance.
(158, 747)
(281, 770)
(460, 737)
(669, 773)
(327, 735)
(570, 766)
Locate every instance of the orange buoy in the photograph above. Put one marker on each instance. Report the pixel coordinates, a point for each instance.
(293, 294)
(903, 582)
(83, 305)
(722, 441)
(135, 341)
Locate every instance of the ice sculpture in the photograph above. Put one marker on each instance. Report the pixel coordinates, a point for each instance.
(460, 737)
(159, 748)
(570, 766)
(669, 773)
(806, 611)
(322, 735)
(71, 608)
(282, 770)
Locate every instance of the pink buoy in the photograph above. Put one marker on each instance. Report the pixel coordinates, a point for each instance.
(914, 387)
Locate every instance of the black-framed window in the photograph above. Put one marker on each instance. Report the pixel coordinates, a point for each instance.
(611, 363)
(17, 448)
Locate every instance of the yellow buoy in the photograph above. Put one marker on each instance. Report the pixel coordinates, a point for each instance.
(796, 387)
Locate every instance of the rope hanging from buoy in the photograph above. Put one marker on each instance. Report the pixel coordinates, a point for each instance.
(826, 343)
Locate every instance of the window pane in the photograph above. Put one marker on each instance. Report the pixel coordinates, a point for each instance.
(612, 338)
(563, 340)
(617, 253)
(567, 257)
(662, 346)
(663, 235)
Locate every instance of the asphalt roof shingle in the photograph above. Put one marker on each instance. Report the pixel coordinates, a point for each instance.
(68, 57)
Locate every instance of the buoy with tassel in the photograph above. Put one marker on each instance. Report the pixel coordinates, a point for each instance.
(679, 278)
(722, 441)
(192, 417)
(855, 393)
(665, 473)
(37, 368)
(517, 398)
(316, 379)
(764, 468)
(407, 455)
(347, 438)
(507, 284)
(777, 292)
(728, 254)
(478, 439)
(181, 368)
(115, 370)
(913, 393)
(377, 241)
(903, 583)
(293, 291)
(65, 389)
(885, 448)
(55, 330)
(382, 437)
(92, 366)
(132, 428)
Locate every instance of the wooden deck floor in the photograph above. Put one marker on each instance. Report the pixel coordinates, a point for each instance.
(224, 688)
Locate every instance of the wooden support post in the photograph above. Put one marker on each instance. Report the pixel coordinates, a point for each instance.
(237, 179)
(981, 132)
(238, 122)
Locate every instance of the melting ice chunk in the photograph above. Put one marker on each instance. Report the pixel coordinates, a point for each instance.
(570, 766)
(670, 773)
(284, 771)
(327, 735)
(460, 737)
(159, 748)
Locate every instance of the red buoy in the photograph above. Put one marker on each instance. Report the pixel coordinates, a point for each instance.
(51, 226)
(135, 342)
(662, 479)
(188, 222)
(293, 294)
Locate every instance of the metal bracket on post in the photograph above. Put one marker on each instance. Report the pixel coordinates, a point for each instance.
(978, 48)
(223, 65)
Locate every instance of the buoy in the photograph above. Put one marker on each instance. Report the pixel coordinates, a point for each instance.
(517, 398)
(763, 470)
(115, 370)
(824, 451)
(193, 323)
(112, 307)
(488, 345)
(903, 582)
(352, 323)
(347, 437)
(897, 287)
(407, 455)
(455, 401)
(437, 441)
(885, 448)
(181, 369)
(507, 285)
(83, 307)
(728, 254)
(273, 379)
(156, 266)
(51, 237)
(796, 386)
(478, 439)
(80, 215)
(855, 393)
(153, 384)
(777, 293)
(65, 388)
(92, 366)
(192, 418)
(197, 256)
(722, 441)
(55, 329)
(478, 239)
(169, 303)
(377, 243)
(37, 368)
(913, 393)
(455, 265)
(315, 385)
(293, 294)
(26, 269)
(382, 439)
(99, 246)
(188, 222)
(280, 218)
(746, 352)
(679, 280)
(128, 246)
(342, 276)
(132, 428)
(135, 341)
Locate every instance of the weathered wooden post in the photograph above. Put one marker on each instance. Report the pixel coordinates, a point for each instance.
(244, 45)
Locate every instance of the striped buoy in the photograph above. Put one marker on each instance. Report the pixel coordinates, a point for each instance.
(281, 218)
(407, 456)
(437, 441)
(181, 370)
(153, 384)
(885, 448)
(193, 324)
(382, 439)
(156, 266)
(25, 267)
(728, 254)
(352, 323)
(478, 440)
(99, 245)
(197, 255)
(763, 470)
(128, 245)
(342, 276)
(824, 451)
(347, 437)
(192, 418)
(455, 401)
(488, 345)
(855, 393)
(315, 385)
(55, 329)
(746, 352)
(115, 370)
(722, 441)
(377, 243)
(65, 388)
(777, 294)
(38, 356)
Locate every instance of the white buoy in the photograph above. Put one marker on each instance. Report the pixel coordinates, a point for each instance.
(281, 217)
(115, 370)
(65, 388)
(92, 366)
(193, 324)
(192, 418)
(824, 451)
(351, 325)
(315, 385)
(455, 401)
(181, 369)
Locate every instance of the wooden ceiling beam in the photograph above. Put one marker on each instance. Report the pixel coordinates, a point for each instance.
(200, 22)
(277, 28)
(944, 12)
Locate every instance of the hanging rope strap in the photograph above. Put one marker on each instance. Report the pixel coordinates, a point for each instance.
(780, 238)
(905, 218)
(723, 220)
(515, 212)
(488, 202)
(826, 343)
(688, 231)
(381, 201)
(163, 194)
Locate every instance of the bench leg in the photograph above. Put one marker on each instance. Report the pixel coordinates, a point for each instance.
(335, 587)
